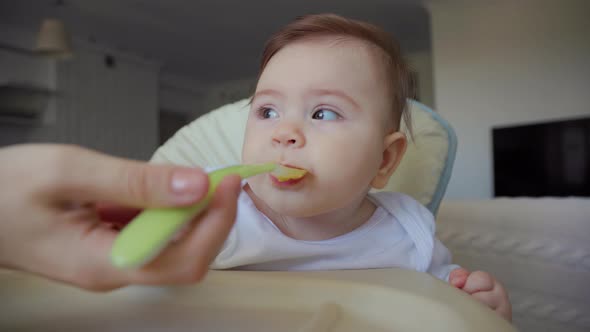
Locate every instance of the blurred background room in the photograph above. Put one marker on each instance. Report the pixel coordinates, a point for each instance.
(511, 77)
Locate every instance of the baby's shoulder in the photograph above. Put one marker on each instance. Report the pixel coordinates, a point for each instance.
(388, 199)
(405, 209)
(415, 219)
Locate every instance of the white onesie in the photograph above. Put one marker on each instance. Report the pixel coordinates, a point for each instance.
(400, 234)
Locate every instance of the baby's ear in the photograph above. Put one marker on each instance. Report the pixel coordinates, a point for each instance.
(395, 146)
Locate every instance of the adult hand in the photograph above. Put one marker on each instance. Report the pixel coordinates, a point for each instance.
(59, 207)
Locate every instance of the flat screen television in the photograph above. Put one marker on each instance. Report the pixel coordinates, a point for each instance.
(542, 159)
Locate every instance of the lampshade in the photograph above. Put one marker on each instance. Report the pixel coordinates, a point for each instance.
(53, 41)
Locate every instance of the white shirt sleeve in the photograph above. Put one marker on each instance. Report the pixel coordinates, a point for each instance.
(440, 265)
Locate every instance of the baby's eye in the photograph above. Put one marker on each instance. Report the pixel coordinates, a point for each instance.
(267, 113)
(325, 114)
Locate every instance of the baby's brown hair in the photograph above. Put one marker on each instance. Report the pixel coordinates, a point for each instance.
(398, 71)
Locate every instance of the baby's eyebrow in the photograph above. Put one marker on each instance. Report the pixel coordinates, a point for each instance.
(268, 92)
(337, 93)
(313, 92)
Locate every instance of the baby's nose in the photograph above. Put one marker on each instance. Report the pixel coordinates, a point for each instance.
(288, 135)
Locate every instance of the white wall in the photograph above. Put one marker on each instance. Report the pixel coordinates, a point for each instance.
(506, 62)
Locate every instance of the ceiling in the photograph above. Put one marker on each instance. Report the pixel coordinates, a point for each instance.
(209, 41)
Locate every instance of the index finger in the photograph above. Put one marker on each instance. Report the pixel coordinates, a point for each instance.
(87, 175)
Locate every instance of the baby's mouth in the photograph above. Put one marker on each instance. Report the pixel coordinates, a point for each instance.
(288, 174)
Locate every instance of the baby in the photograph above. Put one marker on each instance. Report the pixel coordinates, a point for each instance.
(330, 98)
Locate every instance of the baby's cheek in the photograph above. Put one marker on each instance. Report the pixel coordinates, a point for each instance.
(352, 162)
(252, 151)
(256, 186)
(248, 154)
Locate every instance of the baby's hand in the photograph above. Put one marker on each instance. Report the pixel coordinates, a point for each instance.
(485, 288)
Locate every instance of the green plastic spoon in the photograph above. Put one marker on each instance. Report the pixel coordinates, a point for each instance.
(147, 235)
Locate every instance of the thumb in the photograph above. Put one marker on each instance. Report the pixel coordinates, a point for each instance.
(92, 176)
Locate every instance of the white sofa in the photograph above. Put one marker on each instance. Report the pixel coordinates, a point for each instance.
(539, 248)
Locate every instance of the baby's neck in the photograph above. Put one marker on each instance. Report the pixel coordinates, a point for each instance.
(319, 227)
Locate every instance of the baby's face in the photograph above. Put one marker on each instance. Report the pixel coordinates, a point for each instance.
(321, 105)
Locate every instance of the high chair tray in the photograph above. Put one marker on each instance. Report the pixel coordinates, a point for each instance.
(360, 300)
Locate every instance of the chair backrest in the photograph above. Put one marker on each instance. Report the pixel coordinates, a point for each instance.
(216, 139)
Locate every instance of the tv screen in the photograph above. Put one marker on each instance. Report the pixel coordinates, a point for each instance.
(542, 159)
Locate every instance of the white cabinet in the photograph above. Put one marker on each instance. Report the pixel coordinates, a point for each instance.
(108, 103)
(26, 85)
(113, 109)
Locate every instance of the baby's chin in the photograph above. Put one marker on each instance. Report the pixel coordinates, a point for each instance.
(294, 205)
(294, 210)
(299, 206)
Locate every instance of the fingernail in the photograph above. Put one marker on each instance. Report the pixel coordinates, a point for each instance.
(189, 183)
